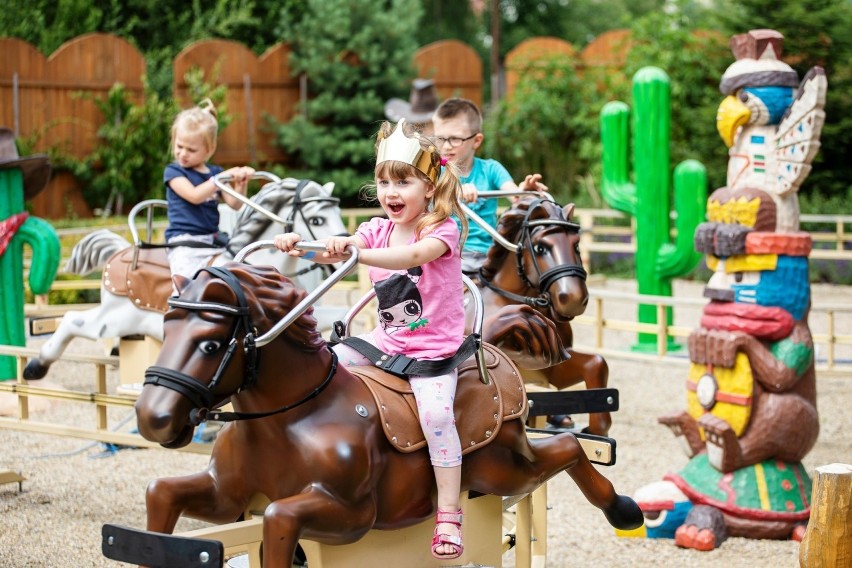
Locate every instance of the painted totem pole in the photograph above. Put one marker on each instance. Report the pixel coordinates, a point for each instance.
(648, 197)
(751, 391)
(20, 179)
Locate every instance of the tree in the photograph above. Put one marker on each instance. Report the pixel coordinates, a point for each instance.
(548, 126)
(354, 56)
(694, 60)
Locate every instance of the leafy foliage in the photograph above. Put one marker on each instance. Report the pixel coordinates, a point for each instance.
(694, 61)
(352, 55)
(545, 127)
(127, 164)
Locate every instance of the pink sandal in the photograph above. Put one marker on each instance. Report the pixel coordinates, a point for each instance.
(442, 538)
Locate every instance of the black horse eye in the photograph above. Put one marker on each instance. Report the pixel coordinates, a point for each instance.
(209, 347)
(540, 250)
(317, 221)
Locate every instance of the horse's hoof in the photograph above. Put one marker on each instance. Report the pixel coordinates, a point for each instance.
(35, 370)
(624, 513)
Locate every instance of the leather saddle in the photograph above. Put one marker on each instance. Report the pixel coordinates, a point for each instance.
(147, 282)
(480, 409)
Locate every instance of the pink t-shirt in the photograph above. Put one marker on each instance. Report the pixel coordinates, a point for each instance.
(421, 310)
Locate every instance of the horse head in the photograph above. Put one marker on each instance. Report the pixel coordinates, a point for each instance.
(547, 271)
(209, 354)
(306, 207)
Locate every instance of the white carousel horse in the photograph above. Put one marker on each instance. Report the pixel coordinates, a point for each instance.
(283, 205)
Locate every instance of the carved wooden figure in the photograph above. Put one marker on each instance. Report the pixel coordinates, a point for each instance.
(751, 391)
(328, 446)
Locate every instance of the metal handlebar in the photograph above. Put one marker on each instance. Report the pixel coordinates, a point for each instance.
(486, 226)
(221, 180)
(478, 317)
(515, 193)
(150, 205)
(339, 274)
(313, 295)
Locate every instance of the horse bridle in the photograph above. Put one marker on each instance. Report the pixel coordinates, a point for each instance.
(291, 223)
(202, 396)
(546, 278)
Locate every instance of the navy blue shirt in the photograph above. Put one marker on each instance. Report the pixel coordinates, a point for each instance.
(186, 218)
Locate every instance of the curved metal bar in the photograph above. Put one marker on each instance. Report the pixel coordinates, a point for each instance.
(478, 317)
(494, 195)
(251, 248)
(221, 182)
(148, 204)
(515, 193)
(313, 295)
(498, 238)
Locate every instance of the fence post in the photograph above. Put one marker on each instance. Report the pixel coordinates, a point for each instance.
(831, 340)
(249, 118)
(587, 237)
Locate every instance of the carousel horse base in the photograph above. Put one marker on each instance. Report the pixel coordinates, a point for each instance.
(240, 543)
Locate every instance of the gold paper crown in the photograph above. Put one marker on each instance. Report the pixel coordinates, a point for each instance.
(400, 148)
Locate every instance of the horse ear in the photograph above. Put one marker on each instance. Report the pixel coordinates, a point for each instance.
(180, 281)
(569, 210)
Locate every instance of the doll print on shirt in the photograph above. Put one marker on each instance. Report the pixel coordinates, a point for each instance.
(400, 302)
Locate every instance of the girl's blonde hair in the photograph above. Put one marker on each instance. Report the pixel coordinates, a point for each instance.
(445, 201)
(200, 119)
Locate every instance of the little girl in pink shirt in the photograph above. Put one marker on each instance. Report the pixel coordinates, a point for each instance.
(415, 267)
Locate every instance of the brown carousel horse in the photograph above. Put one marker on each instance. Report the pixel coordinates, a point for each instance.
(310, 436)
(543, 275)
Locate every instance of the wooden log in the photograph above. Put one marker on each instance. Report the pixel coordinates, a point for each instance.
(828, 538)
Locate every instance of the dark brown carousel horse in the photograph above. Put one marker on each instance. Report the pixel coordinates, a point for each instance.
(544, 275)
(307, 434)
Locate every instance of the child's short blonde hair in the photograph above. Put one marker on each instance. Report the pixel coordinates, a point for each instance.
(456, 106)
(201, 120)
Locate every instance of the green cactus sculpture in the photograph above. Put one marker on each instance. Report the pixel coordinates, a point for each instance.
(17, 228)
(648, 198)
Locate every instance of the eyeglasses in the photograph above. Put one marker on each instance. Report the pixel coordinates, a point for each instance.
(454, 141)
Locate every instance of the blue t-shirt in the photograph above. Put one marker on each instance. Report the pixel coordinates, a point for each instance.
(486, 175)
(186, 218)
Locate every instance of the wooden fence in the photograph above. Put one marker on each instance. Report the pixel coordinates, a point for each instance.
(257, 87)
(39, 96)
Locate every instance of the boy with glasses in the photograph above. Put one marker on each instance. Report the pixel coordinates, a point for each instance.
(457, 126)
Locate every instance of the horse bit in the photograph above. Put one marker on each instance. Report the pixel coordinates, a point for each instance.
(546, 279)
(203, 396)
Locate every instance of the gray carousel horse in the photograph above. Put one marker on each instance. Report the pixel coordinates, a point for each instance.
(281, 205)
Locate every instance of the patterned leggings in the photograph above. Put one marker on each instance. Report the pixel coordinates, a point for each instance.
(435, 397)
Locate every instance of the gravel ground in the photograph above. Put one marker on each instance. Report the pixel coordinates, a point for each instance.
(70, 492)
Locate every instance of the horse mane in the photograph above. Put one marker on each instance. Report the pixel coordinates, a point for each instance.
(270, 297)
(508, 226)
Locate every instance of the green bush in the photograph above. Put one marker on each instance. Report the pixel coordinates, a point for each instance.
(548, 126)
